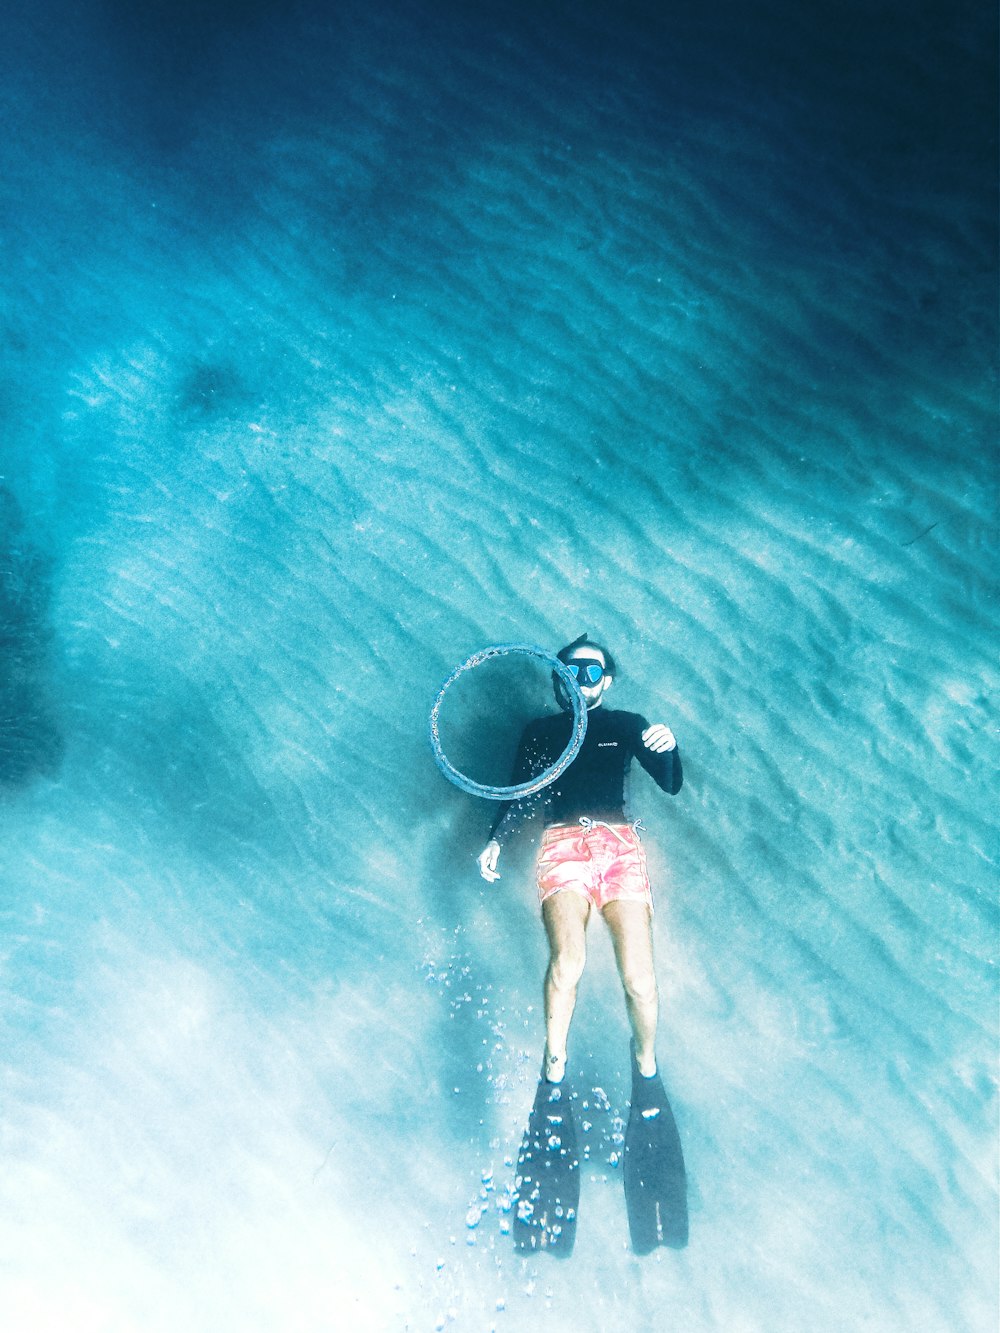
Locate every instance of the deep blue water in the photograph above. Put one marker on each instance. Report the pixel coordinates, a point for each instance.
(340, 341)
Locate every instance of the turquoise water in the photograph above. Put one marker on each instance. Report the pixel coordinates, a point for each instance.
(340, 343)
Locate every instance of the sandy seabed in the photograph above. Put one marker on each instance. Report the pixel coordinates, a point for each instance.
(340, 345)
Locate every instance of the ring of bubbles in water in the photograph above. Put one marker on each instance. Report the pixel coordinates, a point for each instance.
(550, 774)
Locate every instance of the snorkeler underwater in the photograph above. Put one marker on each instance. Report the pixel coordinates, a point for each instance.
(572, 766)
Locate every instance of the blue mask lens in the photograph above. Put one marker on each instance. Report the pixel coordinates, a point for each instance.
(587, 673)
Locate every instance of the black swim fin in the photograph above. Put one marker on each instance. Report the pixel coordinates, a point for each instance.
(655, 1179)
(548, 1175)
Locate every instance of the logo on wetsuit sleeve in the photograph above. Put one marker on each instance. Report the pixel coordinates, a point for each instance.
(603, 745)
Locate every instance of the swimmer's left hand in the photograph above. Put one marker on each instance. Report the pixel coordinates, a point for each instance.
(658, 738)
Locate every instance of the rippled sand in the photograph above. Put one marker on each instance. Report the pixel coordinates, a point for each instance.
(338, 347)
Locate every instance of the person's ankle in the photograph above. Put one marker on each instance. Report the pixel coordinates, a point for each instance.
(647, 1065)
(555, 1067)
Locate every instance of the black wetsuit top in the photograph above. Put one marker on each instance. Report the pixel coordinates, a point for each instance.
(594, 783)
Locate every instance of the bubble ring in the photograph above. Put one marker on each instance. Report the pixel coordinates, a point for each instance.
(541, 779)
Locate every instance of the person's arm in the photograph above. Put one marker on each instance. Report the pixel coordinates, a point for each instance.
(657, 751)
(511, 813)
(507, 815)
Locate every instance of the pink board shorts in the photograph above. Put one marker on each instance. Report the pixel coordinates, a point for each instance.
(604, 862)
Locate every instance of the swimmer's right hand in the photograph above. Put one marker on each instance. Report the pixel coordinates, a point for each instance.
(488, 859)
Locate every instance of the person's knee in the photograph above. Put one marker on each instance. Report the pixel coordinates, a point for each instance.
(640, 983)
(566, 967)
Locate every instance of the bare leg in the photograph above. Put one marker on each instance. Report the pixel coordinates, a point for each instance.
(565, 915)
(631, 929)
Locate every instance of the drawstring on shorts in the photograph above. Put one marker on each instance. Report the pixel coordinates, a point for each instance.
(589, 824)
